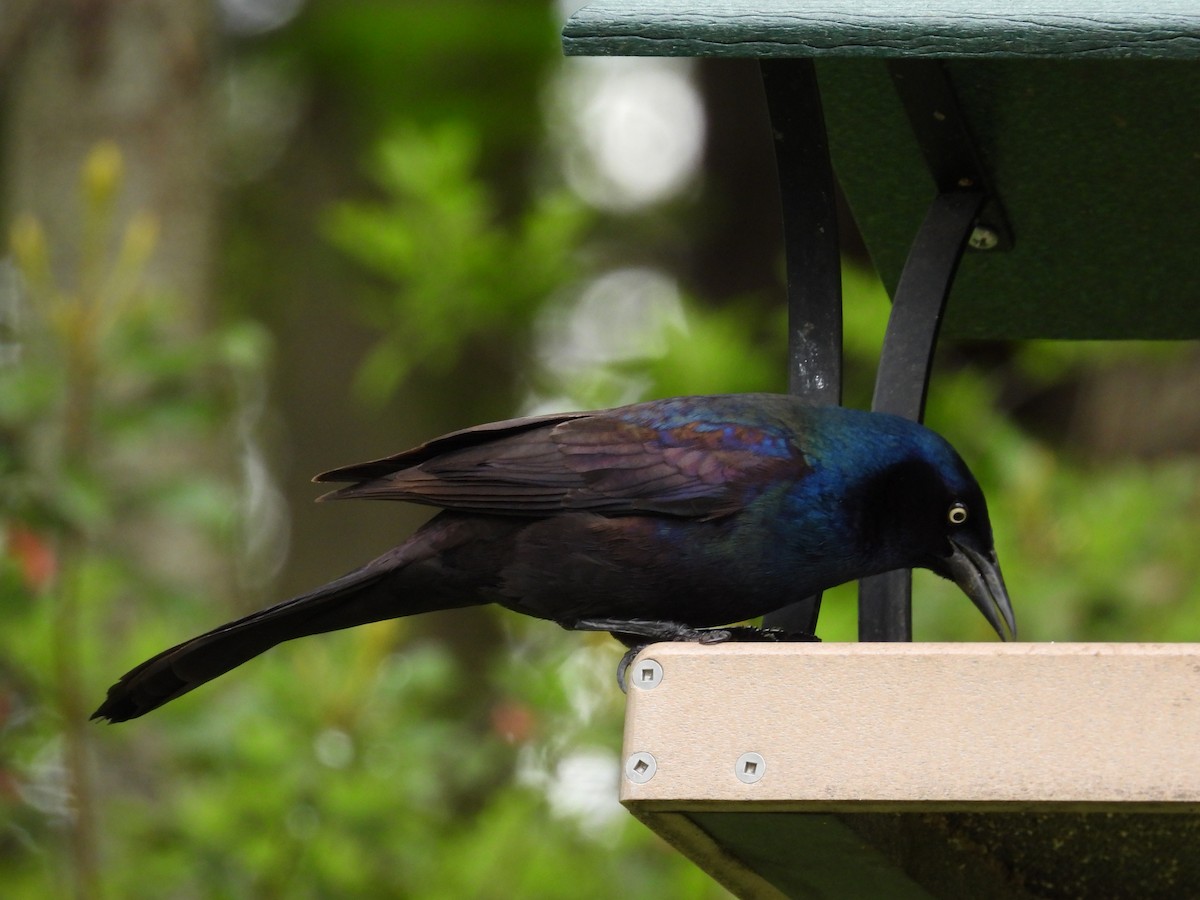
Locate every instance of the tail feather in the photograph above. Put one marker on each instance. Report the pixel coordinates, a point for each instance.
(369, 594)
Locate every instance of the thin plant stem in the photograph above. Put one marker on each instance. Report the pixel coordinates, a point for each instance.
(82, 832)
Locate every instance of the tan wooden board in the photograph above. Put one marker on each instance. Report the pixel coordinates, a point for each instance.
(939, 726)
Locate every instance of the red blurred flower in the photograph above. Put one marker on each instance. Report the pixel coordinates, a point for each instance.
(514, 722)
(33, 555)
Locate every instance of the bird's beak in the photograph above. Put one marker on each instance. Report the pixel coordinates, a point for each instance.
(978, 574)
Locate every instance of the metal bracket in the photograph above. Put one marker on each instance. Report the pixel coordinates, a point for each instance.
(902, 381)
(950, 152)
(814, 274)
(964, 212)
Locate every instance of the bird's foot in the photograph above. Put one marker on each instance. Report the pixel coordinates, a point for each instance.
(640, 632)
(637, 634)
(624, 664)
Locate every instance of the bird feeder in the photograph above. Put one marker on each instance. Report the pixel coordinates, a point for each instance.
(1044, 163)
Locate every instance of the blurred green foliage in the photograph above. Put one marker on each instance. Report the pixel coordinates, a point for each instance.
(347, 766)
(456, 274)
(339, 767)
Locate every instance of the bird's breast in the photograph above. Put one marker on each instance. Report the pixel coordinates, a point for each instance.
(700, 572)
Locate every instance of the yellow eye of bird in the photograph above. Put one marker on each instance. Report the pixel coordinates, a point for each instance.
(957, 514)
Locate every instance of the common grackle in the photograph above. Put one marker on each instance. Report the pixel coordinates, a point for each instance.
(652, 521)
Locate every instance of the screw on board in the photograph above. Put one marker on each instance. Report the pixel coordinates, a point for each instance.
(750, 767)
(640, 767)
(648, 674)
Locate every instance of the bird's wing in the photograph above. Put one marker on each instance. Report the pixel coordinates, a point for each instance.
(606, 462)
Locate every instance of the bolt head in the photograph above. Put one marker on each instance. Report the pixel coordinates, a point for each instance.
(983, 237)
(647, 674)
(640, 767)
(750, 767)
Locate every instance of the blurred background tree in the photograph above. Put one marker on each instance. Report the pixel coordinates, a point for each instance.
(261, 238)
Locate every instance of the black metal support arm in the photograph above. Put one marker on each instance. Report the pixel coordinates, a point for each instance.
(902, 382)
(814, 274)
(950, 151)
(814, 277)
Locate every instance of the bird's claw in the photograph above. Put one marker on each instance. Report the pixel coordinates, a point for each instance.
(624, 664)
(640, 632)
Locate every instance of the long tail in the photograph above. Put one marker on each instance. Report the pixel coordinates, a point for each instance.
(377, 591)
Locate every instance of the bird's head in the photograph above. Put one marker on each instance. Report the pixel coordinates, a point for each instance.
(927, 509)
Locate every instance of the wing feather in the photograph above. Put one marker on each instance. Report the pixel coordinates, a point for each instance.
(601, 462)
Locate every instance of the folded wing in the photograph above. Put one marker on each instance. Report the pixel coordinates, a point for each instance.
(608, 462)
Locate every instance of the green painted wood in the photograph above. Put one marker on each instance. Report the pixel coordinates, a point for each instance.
(1081, 29)
(1018, 855)
(837, 863)
(1097, 165)
(1096, 160)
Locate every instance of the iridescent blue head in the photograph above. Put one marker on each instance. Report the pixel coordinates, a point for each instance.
(920, 506)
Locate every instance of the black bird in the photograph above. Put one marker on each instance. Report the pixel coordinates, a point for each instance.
(652, 521)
